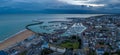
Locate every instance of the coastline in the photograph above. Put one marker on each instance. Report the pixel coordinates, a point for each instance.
(18, 37)
(12, 35)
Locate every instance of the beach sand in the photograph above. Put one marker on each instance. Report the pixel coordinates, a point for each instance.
(15, 39)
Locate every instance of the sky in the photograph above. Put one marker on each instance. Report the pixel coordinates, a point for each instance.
(59, 6)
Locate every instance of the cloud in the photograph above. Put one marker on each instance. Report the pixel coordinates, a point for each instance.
(83, 2)
(96, 5)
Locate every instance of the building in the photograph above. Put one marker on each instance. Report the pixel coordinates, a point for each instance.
(3, 52)
(100, 51)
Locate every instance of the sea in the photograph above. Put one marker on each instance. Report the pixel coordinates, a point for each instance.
(11, 24)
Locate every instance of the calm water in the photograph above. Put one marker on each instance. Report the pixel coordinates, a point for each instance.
(11, 24)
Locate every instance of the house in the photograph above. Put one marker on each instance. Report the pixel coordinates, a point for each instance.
(3, 52)
(100, 51)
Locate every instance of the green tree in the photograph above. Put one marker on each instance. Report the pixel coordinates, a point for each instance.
(106, 53)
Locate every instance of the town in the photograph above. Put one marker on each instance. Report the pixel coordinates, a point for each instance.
(96, 35)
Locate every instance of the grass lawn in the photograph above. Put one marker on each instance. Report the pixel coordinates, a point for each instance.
(24, 53)
(69, 44)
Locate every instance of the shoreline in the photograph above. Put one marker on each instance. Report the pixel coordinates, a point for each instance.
(12, 35)
(18, 37)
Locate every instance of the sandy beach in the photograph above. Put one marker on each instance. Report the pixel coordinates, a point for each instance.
(15, 39)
